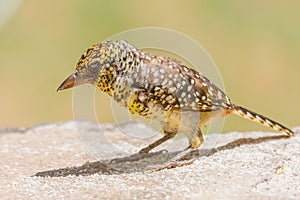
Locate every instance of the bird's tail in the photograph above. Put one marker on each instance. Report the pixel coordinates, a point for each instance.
(248, 114)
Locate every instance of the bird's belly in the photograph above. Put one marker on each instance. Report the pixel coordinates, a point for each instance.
(157, 111)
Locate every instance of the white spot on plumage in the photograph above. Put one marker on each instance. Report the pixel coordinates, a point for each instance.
(204, 106)
(259, 119)
(185, 69)
(250, 115)
(172, 89)
(227, 99)
(165, 81)
(220, 94)
(147, 57)
(193, 104)
(268, 122)
(168, 98)
(172, 100)
(277, 127)
(192, 81)
(168, 107)
(142, 97)
(156, 88)
(241, 112)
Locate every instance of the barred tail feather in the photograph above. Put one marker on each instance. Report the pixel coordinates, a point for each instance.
(245, 113)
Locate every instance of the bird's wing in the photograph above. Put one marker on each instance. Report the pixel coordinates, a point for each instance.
(168, 81)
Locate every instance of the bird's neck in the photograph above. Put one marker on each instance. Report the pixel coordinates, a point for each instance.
(106, 82)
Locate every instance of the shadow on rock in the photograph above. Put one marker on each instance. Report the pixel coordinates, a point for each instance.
(141, 162)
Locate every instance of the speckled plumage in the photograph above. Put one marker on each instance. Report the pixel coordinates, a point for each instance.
(158, 87)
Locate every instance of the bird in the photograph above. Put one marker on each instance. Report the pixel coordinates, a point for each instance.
(161, 88)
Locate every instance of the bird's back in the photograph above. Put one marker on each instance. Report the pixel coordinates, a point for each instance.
(153, 85)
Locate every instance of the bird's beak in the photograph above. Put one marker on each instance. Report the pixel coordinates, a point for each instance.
(71, 81)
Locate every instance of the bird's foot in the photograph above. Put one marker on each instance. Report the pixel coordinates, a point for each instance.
(176, 161)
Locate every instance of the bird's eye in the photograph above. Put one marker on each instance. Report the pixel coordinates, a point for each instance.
(83, 56)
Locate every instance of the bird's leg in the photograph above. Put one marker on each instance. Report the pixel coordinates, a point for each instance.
(177, 161)
(151, 146)
(142, 152)
(170, 130)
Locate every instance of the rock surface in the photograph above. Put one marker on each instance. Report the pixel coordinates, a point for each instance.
(82, 160)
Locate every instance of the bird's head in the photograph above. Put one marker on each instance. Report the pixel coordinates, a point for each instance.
(94, 66)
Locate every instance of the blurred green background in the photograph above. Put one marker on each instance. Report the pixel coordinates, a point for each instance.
(255, 44)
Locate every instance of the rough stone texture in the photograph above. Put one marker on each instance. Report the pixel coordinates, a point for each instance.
(59, 161)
